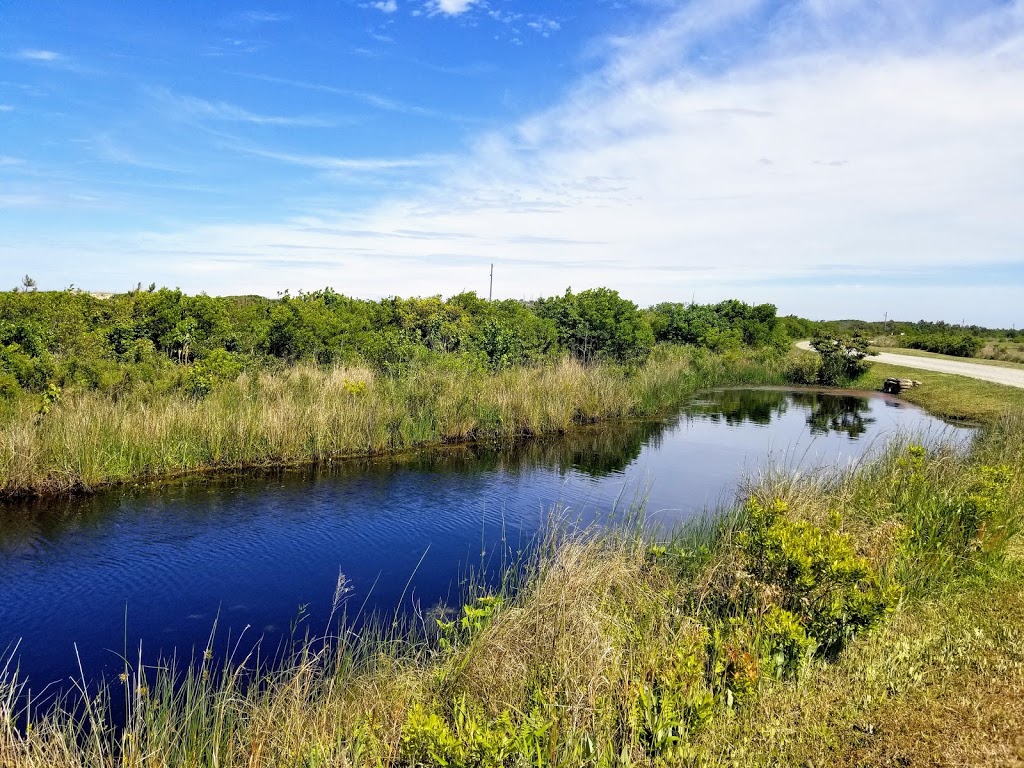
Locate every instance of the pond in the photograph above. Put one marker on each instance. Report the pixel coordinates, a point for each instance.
(261, 555)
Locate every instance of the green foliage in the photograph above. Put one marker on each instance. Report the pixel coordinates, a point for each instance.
(785, 642)
(50, 397)
(841, 358)
(719, 327)
(948, 343)
(950, 533)
(599, 325)
(673, 701)
(206, 374)
(474, 619)
(149, 340)
(812, 573)
(9, 387)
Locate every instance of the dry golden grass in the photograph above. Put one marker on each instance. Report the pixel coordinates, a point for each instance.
(306, 414)
(572, 667)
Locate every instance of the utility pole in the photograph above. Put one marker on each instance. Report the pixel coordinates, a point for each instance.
(490, 293)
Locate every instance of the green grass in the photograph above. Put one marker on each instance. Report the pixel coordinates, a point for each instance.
(808, 627)
(952, 358)
(308, 414)
(950, 396)
(941, 684)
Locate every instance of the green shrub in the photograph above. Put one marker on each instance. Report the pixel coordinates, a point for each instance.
(959, 345)
(804, 369)
(9, 387)
(841, 358)
(946, 529)
(813, 573)
(599, 325)
(212, 370)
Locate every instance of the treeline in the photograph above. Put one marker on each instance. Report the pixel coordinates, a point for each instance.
(920, 328)
(164, 339)
(940, 337)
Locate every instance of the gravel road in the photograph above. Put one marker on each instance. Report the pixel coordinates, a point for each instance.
(1012, 377)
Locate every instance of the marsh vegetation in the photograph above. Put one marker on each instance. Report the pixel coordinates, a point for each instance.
(609, 648)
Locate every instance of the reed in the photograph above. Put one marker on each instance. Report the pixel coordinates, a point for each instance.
(308, 414)
(609, 648)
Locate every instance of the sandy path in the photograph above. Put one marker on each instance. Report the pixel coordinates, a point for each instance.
(1009, 376)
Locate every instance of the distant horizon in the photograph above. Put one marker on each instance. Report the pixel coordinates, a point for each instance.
(445, 296)
(836, 159)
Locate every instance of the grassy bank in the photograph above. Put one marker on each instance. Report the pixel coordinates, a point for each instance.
(801, 629)
(307, 414)
(951, 397)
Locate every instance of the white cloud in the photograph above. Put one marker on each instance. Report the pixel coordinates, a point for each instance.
(262, 17)
(825, 176)
(327, 163)
(544, 26)
(30, 54)
(6, 108)
(387, 6)
(452, 7)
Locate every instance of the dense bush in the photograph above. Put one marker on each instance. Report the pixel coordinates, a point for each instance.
(841, 358)
(960, 345)
(727, 325)
(599, 325)
(814, 577)
(163, 340)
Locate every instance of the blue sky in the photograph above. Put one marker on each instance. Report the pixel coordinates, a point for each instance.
(836, 157)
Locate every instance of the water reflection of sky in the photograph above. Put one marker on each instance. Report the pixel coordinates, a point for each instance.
(159, 568)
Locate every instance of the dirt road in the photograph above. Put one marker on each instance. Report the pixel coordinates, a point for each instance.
(1012, 377)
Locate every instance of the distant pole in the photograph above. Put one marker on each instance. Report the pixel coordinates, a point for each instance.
(490, 293)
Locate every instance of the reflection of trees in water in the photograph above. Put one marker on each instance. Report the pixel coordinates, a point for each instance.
(836, 413)
(597, 451)
(827, 412)
(740, 406)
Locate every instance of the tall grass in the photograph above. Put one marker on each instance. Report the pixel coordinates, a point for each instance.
(309, 414)
(607, 650)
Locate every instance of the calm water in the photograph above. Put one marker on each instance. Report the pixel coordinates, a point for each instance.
(264, 553)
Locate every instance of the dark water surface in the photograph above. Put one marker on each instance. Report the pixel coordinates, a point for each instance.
(264, 553)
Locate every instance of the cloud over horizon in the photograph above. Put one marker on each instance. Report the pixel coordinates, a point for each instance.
(845, 158)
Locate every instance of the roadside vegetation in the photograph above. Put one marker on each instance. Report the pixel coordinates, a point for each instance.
(828, 619)
(979, 358)
(936, 337)
(154, 383)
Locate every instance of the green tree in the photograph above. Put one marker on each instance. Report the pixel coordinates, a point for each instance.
(842, 358)
(599, 324)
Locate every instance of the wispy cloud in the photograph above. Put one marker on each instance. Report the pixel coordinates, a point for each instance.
(544, 26)
(823, 157)
(371, 99)
(195, 108)
(328, 163)
(108, 148)
(387, 6)
(6, 108)
(8, 160)
(36, 54)
(753, 177)
(261, 17)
